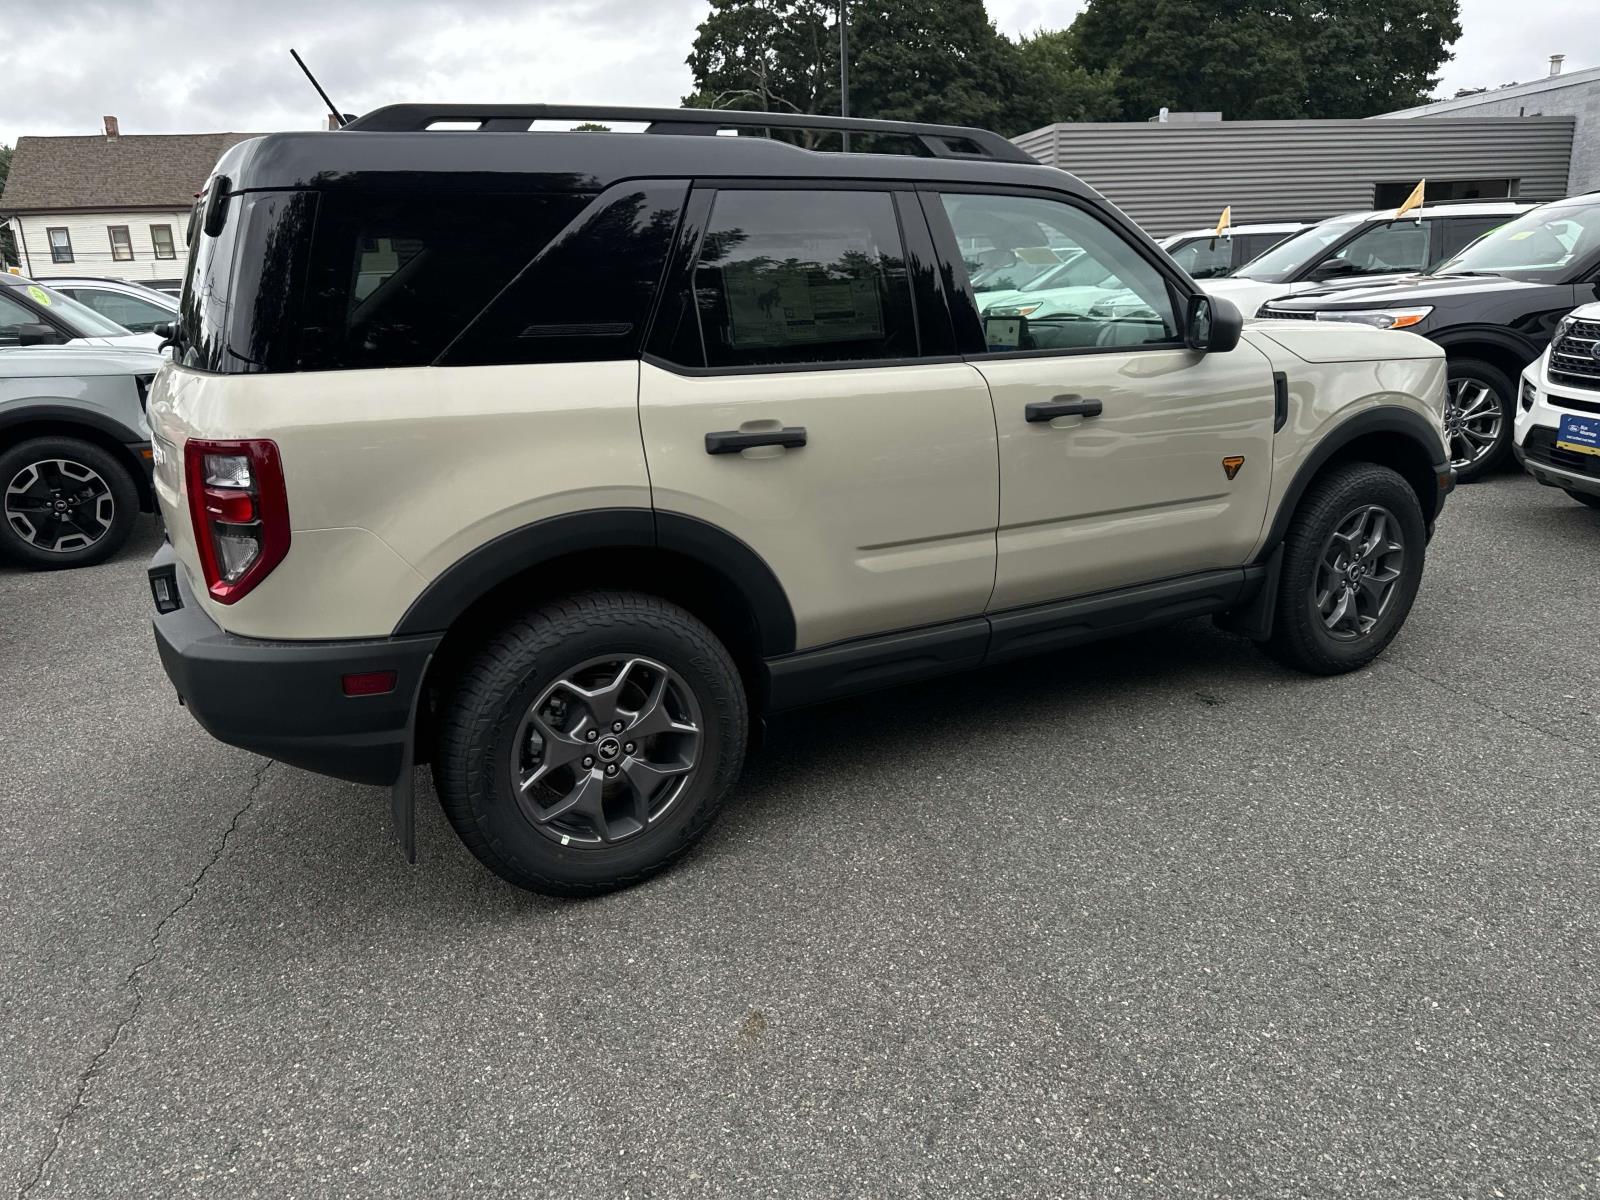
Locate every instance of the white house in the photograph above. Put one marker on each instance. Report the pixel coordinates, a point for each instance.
(116, 206)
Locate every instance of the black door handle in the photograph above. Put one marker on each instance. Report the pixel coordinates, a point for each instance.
(1061, 406)
(731, 441)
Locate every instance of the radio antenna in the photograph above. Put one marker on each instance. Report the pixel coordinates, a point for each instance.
(337, 115)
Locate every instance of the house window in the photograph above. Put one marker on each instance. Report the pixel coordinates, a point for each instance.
(60, 245)
(121, 243)
(1393, 195)
(161, 239)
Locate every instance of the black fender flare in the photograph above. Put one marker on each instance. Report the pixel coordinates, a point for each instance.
(1497, 336)
(1389, 419)
(109, 429)
(500, 559)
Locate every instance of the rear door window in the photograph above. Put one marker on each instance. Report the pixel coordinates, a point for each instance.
(1387, 248)
(1461, 232)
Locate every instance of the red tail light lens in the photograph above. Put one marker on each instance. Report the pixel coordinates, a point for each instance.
(240, 510)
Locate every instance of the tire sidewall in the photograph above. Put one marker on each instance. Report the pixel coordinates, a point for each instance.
(1505, 392)
(530, 852)
(1376, 486)
(124, 495)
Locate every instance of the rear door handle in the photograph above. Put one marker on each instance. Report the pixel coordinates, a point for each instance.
(731, 441)
(1061, 406)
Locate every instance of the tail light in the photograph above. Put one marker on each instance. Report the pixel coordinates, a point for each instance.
(240, 511)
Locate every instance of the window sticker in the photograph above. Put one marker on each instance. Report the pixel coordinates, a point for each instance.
(39, 294)
(1036, 256)
(785, 304)
(1002, 333)
(1526, 233)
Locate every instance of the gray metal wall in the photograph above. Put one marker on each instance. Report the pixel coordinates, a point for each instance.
(1179, 176)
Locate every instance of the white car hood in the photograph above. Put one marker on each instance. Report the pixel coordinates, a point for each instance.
(1250, 294)
(131, 341)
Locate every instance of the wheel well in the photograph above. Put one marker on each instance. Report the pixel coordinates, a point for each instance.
(1400, 454)
(1501, 357)
(55, 427)
(678, 578)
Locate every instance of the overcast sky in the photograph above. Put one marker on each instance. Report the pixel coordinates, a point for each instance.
(188, 66)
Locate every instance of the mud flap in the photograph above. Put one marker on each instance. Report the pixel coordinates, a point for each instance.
(1254, 620)
(402, 793)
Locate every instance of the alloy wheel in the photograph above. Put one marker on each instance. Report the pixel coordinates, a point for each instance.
(606, 751)
(1358, 572)
(1473, 419)
(59, 505)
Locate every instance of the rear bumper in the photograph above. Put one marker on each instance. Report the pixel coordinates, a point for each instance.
(286, 700)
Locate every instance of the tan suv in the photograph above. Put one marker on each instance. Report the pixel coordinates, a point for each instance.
(556, 459)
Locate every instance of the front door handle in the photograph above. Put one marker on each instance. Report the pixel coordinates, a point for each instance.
(731, 441)
(1062, 406)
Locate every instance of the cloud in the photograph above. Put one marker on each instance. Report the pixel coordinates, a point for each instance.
(178, 66)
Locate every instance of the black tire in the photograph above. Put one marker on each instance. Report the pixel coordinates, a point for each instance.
(1588, 498)
(1300, 638)
(1476, 371)
(484, 713)
(111, 529)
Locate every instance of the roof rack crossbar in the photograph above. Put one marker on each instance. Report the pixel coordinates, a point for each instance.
(940, 141)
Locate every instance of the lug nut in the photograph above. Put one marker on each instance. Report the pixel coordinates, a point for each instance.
(588, 762)
(592, 734)
(616, 727)
(611, 770)
(628, 749)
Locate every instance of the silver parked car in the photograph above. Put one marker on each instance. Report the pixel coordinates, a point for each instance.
(75, 452)
(137, 308)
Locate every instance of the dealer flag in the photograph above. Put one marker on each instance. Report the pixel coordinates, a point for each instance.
(1412, 201)
(1224, 221)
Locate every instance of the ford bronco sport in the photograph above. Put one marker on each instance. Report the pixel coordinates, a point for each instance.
(556, 458)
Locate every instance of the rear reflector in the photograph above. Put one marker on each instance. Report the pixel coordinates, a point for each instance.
(369, 683)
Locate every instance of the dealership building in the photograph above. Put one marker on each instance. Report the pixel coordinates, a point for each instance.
(1531, 141)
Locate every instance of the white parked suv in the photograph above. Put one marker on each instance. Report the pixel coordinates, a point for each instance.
(1362, 248)
(557, 459)
(1558, 412)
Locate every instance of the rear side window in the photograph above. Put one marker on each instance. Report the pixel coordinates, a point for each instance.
(395, 277)
(587, 295)
(788, 277)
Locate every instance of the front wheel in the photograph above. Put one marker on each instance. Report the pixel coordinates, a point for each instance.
(1478, 417)
(64, 502)
(591, 742)
(1352, 563)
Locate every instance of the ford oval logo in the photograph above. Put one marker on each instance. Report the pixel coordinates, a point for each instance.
(1594, 351)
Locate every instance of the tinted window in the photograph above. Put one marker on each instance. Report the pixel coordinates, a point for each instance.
(12, 315)
(1386, 248)
(1249, 245)
(1205, 258)
(587, 295)
(1541, 245)
(395, 277)
(1115, 297)
(135, 315)
(1461, 232)
(803, 277)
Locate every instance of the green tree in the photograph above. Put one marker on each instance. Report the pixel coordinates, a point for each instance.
(1267, 59)
(1058, 87)
(766, 56)
(935, 60)
(8, 244)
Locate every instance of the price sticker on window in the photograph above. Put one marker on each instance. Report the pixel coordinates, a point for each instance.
(39, 294)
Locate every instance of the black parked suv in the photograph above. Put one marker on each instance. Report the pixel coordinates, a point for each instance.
(1493, 307)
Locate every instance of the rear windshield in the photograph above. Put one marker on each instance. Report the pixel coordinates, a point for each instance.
(367, 277)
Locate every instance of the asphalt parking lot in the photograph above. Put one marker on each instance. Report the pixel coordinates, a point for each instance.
(1153, 919)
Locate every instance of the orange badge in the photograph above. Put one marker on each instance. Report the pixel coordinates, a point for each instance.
(1232, 463)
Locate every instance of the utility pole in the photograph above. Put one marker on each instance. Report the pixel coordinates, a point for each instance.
(844, 69)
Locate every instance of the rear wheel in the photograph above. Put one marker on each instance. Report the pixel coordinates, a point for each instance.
(1478, 417)
(1352, 563)
(1588, 498)
(64, 503)
(590, 743)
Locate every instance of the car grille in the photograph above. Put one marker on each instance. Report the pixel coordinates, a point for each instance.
(1284, 314)
(1572, 359)
(1540, 447)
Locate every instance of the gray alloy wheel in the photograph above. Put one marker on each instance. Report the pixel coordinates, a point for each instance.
(606, 750)
(1361, 563)
(1474, 418)
(58, 506)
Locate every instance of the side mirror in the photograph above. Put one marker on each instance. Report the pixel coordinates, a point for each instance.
(1333, 268)
(38, 334)
(1212, 324)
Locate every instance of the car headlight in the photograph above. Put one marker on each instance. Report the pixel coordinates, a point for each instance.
(1014, 310)
(1379, 318)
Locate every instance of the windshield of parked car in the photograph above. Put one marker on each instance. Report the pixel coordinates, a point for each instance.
(82, 320)
(1538, 245)
(1287, 259)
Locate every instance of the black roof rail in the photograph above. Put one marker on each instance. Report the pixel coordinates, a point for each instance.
(941, 141)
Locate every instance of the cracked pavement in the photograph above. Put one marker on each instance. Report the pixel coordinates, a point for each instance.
(1156, 918)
